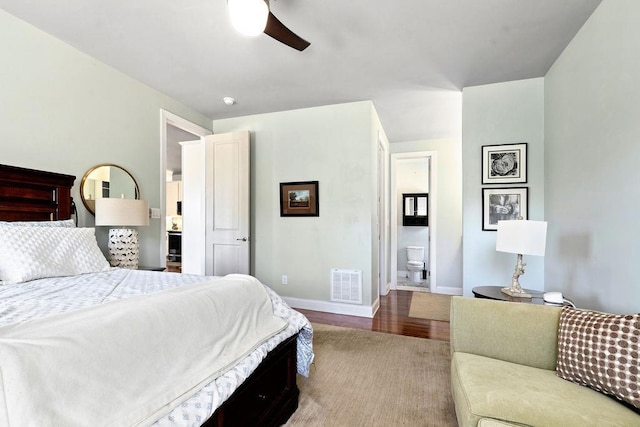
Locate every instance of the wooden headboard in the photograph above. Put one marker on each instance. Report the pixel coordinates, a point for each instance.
(32, 195)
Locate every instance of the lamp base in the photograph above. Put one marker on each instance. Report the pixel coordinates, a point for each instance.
(123, 248)
(516, 292)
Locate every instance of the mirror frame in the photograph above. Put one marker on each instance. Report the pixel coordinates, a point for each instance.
(90, 171)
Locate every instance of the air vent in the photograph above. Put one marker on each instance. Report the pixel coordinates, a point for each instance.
(346, 286)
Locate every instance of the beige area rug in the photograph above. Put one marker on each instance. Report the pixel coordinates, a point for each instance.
(363, 378)
(430, 306)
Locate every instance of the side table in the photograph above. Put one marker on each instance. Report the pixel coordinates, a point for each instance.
(495, 293)
(147, 268)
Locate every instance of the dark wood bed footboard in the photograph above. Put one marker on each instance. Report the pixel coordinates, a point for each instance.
(268, 397)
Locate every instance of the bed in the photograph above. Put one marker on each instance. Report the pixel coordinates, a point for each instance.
(139, 342)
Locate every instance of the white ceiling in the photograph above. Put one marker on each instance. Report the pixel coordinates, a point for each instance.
(407, 56)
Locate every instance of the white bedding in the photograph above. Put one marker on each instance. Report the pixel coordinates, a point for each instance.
(45, 297)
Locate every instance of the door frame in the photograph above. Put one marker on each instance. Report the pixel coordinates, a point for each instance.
(169, 118)
(383, 283)
(433, 209)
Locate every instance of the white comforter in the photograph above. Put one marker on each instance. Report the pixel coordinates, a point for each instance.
(38, 299)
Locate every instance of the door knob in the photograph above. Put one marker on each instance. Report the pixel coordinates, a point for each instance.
(244, 239)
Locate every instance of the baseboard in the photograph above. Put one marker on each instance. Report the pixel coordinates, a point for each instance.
(447, 290)
(334, 307)
(387, 288)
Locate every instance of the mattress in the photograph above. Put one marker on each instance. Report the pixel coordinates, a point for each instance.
(45, 297)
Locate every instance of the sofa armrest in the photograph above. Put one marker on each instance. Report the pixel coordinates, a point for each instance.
(514, 332)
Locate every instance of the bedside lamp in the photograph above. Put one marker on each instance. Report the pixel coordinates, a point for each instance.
(521, 237)
(123, 242)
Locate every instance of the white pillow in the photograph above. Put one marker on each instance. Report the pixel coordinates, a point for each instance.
(29, 253)
(60, 223)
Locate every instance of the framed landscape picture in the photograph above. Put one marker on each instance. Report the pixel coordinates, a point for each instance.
(299, 199)
(500, 204)
(504, 164)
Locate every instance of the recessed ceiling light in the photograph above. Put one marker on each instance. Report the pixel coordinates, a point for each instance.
(229, 100)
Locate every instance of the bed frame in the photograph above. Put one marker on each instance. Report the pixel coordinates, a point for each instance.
(267, 398)
(32, 195)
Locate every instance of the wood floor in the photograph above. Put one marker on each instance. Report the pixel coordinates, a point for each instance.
(392, 317)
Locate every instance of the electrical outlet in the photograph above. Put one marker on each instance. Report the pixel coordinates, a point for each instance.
(284, 279)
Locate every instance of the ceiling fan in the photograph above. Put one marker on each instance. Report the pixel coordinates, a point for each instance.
(253, 17)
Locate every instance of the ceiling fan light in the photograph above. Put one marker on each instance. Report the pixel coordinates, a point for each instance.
(248, 17)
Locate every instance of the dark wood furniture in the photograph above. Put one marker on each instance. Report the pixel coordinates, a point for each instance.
(151, 268)
(268, 397)
(495, 293)
(32, 195)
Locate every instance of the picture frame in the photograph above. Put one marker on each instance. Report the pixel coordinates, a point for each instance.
(299, 199)
(504, 163)
(500, 204)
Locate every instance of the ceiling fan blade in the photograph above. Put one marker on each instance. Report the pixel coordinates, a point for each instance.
(280, 32)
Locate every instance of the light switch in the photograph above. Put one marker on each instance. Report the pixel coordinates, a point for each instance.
(155, 213)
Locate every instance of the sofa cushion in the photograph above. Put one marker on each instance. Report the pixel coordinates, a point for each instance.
(483, 387)
(490, 422)
(519, 333)
(600, 350)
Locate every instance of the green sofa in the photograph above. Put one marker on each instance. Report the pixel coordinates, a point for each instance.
(503, 361)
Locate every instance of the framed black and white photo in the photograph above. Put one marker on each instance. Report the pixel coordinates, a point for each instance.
(299, 199)
(504, 164)
(501, 204)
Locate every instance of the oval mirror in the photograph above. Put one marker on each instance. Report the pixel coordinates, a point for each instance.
(107, 180)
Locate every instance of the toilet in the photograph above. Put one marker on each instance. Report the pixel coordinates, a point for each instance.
(415, 262)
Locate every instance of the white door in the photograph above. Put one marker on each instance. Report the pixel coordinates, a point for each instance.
(227, 203)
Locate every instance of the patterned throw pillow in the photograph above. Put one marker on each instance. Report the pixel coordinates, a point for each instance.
(601, 350)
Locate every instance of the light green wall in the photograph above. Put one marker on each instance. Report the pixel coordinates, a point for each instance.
(335, 145)
(502, 113)
(64, 111)
(449, 214)
(592, 106)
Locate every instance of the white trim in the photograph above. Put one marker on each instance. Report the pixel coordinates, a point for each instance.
(413, 288)
(433, 210)
(449, 290)
(169, 118)
(334, 307)
(383, 285)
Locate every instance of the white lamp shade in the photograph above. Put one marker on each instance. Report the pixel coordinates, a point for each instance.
(522, 237)
(248, 17)
(122, 212)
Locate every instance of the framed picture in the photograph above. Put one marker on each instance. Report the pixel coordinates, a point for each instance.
(500, 204)
(299, 199)
(504, 164)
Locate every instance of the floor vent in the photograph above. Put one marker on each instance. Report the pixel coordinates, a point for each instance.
(346, 286)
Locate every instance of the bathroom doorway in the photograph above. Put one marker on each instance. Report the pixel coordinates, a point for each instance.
(413, 220)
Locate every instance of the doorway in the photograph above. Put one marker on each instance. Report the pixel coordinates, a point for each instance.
(173, 130)
(413, 204)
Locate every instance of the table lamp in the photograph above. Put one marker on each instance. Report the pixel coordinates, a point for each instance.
(521, 237)
(123, 246)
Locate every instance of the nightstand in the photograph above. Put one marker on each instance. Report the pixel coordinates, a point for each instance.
(142, 267)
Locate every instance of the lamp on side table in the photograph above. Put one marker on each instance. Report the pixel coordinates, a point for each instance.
(124, 251)
(521, 237)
